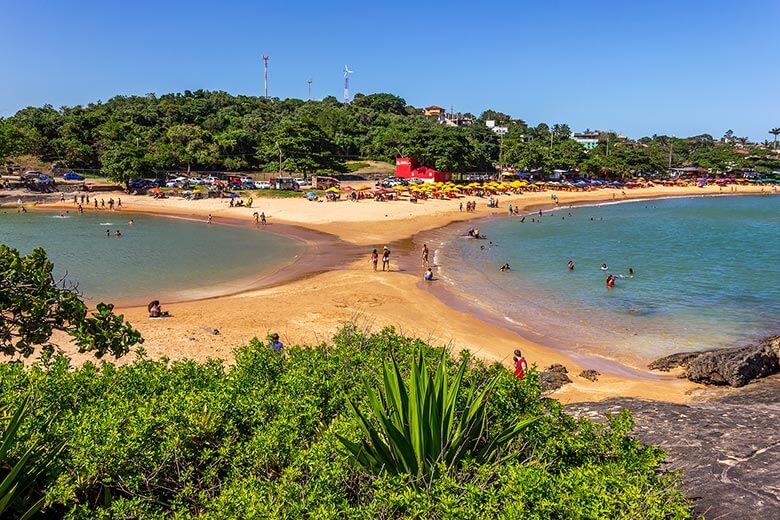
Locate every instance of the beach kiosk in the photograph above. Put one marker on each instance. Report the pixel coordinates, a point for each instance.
(408, 168)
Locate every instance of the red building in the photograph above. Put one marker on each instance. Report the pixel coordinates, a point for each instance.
(407, 168)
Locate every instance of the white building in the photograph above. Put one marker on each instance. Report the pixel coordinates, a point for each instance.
(497, 129)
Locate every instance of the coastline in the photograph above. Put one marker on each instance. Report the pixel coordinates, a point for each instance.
(309, 307)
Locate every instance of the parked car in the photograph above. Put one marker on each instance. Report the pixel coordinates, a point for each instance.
(262, 185)
(300, 182)
(72, 176)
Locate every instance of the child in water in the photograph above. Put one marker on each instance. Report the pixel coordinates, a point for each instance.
(428, 276)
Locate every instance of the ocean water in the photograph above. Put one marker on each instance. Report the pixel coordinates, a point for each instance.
(706, 274)
(162, 258)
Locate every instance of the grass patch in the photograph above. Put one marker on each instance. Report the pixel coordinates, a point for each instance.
(355, 166)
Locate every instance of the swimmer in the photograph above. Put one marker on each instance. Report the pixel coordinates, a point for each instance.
(504, 268)
(118, 233)
(108, 232)
(571, 265)
(631, 272)
(604, 267)
(610, 281)
(131, 222)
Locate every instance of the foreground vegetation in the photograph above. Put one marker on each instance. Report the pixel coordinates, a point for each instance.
(128, 137)
(259, 439)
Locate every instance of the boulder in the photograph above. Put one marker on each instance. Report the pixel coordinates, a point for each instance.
(681, 359)
(590, 375)
(736, 366)
(553, 378)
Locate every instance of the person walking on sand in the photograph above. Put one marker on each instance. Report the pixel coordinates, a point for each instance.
(425, 255)
(256, 216)
(520, 365)
(385, 259)
(374, 258)
(118, 202)
(209, 221)
(262, 218)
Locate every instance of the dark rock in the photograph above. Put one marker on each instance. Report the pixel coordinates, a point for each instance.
(553, 380)
(728, 448)
(557, 367)
(736, 366)
(681, 359)
(590, 375)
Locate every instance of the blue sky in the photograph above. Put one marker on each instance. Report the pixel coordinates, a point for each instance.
(639, 68)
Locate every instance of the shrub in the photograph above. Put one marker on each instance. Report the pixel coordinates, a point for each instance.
(259, 439)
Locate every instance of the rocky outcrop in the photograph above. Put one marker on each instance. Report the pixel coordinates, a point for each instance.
(590, 375)
(730, 366)
(728, 448)
(734, 367)
(681, 359)
(553, 378)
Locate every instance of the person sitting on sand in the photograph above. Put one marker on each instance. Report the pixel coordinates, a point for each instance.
(155, 309)
(520, 364)
(273, 342)
(428, 276)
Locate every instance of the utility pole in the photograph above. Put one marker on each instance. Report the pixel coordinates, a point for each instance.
(265, 74)
(280, 157)
(309, 82)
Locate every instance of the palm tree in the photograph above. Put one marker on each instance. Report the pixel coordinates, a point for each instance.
(775, 132)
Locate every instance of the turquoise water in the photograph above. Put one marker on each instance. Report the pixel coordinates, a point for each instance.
(706, 274)
(164, 258)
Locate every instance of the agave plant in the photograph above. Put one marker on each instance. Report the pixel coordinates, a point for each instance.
(418, 429)
(18, 478)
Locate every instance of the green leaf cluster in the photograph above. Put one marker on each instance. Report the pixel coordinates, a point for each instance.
(33, 305)
(418, 428)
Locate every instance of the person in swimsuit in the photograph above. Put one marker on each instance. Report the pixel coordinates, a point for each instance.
(374, 258)
(385, 259)
(425, 254)
(428, 276)
(571, 265)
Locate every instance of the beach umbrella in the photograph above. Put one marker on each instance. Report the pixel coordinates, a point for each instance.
(311, 194)
(333, 190)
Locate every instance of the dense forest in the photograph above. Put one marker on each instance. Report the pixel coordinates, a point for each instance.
(127, 137)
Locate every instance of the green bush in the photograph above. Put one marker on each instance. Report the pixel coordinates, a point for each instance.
(258, 439)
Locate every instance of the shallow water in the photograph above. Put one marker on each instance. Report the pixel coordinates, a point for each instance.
(164, 258)
(706, 274)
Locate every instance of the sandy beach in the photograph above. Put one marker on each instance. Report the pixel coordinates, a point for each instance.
(310, 306)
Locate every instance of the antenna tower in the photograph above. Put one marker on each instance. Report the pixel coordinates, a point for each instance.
(309, 82)
(265, 74)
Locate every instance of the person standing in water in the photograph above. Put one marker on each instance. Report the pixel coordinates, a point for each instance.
(209, 221)
(385, 259)
(425, 255)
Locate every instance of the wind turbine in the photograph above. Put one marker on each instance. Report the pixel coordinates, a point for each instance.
(347, 72)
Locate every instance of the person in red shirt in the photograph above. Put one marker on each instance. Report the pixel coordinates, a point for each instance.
(520, 365)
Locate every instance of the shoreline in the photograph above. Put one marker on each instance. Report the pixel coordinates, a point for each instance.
(348, 291)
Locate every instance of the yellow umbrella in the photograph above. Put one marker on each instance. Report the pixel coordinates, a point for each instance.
(333, 190)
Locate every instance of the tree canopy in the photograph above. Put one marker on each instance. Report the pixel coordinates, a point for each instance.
(130, 136)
